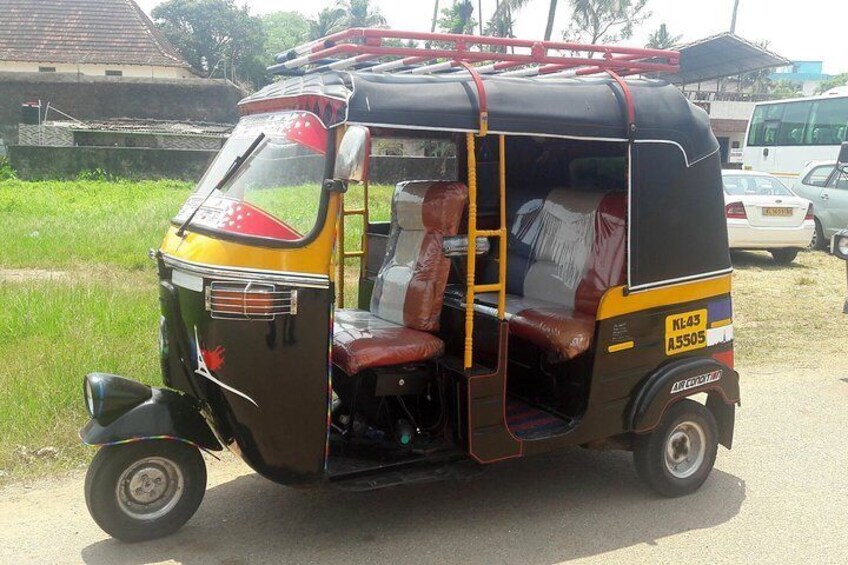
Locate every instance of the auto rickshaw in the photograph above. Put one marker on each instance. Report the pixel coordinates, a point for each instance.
(567, 283)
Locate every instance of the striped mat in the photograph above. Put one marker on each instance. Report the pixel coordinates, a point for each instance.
(527, 422)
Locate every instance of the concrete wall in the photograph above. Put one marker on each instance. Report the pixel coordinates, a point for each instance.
(129, 71)
(41, 163)
(103, 98)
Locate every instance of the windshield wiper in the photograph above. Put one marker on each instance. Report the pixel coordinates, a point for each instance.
(231, 172)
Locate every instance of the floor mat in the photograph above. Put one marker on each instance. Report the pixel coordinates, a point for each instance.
(527, 422)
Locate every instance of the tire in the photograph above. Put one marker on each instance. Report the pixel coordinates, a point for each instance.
(654, 465)
(783, 256)
(147, 464)
(818, 242)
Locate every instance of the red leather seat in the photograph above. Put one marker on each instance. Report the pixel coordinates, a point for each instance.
(565, 252)
(409, 292)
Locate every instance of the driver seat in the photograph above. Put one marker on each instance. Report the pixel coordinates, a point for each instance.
(409, 292)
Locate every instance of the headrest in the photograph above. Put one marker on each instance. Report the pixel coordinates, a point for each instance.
(433, 206)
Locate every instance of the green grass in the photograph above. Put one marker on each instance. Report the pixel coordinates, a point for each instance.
(62, 225)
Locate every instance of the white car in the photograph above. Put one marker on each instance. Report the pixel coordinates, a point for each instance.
(763, 213)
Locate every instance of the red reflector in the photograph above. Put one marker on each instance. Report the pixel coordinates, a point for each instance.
(725, 357)
(735, 210)
(809, 215)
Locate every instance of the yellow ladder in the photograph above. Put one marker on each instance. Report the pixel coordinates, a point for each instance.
(472, 288)
(359, 253)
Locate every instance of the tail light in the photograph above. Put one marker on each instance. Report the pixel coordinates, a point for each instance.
(736, 211)
(809, 215)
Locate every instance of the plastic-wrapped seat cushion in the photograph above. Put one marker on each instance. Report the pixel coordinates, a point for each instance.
(565, 252)
(409, 292)
(411, 283)
(361, 340)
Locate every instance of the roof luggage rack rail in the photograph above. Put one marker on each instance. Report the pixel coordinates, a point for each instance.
(387, 50)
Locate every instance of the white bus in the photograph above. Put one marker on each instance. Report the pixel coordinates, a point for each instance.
(785, 135)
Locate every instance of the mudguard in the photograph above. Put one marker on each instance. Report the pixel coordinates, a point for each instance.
(165, 415)
(684, 378)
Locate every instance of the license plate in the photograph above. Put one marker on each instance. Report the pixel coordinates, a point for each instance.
(686, 331)
(777, 211)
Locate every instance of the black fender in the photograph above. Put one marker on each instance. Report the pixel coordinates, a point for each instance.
(681, 379)
(165, 415)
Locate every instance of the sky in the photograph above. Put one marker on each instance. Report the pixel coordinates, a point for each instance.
(811, 30)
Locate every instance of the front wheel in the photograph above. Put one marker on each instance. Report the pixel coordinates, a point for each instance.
(677, 457)
(784, 256)
(145, 490)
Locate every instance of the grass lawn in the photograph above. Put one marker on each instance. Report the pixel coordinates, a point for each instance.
(96, 308)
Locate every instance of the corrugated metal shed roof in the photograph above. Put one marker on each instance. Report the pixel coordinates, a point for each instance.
(719, 56)
(82, 31)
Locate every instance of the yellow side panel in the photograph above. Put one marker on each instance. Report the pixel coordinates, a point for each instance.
(314, 258)
(616, 303)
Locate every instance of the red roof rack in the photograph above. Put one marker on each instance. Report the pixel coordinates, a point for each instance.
(365, 49)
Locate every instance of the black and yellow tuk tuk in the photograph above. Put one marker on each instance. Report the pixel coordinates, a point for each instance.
(566, 283)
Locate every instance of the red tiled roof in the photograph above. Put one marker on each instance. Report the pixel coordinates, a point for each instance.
(82, 31)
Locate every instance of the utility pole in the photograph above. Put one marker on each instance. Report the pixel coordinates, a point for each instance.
(480, 14)
(733, 21)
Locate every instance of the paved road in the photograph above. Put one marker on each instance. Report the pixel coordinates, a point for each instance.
(780, 497)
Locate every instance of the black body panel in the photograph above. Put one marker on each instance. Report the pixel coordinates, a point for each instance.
(677, 228)
(166, 413)
(275, 411)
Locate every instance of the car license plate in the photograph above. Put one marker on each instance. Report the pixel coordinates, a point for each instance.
(777, 211)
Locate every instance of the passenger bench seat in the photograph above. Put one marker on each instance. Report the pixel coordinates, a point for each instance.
(565, 252)
(409, 292)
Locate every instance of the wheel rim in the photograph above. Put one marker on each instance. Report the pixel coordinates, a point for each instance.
(815, 240)
(685, 449)
(150, 488)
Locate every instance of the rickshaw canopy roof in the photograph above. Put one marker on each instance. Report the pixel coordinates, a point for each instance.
(587, 108)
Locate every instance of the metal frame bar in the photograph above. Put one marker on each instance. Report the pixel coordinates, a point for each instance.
(360, 46)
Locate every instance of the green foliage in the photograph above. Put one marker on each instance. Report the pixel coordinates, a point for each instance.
(283, 31)
(361, 13)
(6, 170)
(98, 174)
(786, 89)
(458, 18)
(216, 37)
(835, 82)
(328, 22)
(605, 21)
(662, 39)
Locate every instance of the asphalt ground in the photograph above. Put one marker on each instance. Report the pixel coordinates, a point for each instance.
(780, 496)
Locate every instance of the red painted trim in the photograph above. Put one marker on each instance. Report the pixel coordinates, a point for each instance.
(628, 99)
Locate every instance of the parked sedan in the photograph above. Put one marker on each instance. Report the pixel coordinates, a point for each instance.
(763, 213)
(822, 183)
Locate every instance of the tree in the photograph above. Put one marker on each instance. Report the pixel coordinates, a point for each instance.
(360, 13)
(328, 22)
(549, 27)
(283, 31)
(834, 82)
(662, 39)
(458, 18)
(787, 89)
(215, 36)
(607, 21)
(502, 21)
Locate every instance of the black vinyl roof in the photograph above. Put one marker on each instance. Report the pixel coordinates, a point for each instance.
(592, 108)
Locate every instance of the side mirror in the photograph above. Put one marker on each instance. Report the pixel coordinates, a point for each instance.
(354, 155)
(842, 161)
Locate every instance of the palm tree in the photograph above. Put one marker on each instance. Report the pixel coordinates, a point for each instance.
(662, 39)
(435, 17)
(328, 22)
(549, 28)
(360, 13)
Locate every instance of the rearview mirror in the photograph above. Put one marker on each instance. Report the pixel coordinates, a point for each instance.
(354, 155)
(842, 162)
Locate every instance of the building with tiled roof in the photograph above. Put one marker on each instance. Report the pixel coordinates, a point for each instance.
(89, 37)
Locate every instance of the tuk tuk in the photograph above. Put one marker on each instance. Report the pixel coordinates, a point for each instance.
(567, 283)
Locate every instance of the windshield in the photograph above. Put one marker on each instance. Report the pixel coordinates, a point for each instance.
(741, 185)
(276, 192)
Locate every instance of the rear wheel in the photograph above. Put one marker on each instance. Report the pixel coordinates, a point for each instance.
(818, 242)
(783, 256)
(146, 490)
(677, 457)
